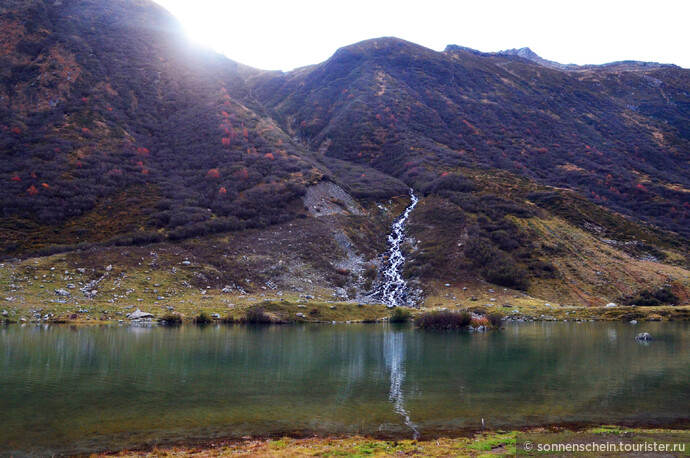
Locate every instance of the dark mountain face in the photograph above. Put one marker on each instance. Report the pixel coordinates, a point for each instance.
(115, 128)
(618, 135)
(106, 109)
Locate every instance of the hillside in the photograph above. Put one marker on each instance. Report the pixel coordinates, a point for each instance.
(123, 144)
(620, 138)
(115, 125)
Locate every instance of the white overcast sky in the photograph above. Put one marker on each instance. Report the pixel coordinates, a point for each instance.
(285, 34)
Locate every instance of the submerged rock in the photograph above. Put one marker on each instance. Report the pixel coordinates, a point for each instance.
(644, 336)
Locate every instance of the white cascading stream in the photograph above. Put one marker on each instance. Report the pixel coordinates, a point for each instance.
(393, 292)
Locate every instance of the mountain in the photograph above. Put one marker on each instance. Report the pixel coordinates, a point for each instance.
(123, 140)
(620, 138)
(106, 107)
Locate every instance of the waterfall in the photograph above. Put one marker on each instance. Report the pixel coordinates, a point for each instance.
(393, 291)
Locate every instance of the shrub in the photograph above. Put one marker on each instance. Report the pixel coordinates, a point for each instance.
(256, 315)
(171, 318)
(443, 320)
(648, 298)
(202, 318)
(400, 315)
(495, 319)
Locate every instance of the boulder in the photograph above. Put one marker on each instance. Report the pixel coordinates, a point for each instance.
(633, 321)
(644, 336)
(5, 313)
(216, 316)
(109, 268)
(61, 292)
(301, 315)
(610, 305)
(138, 314)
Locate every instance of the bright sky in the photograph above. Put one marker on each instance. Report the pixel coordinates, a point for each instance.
(282, 34)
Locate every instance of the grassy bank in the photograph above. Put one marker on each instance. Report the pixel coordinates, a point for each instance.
(489, 443)
(107, 285)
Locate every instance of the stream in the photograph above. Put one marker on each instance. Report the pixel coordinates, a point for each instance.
(393, 291)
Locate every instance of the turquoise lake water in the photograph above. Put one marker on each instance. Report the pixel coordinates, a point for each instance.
(78, 389)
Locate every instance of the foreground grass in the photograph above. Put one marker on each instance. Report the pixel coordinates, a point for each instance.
(489, 443)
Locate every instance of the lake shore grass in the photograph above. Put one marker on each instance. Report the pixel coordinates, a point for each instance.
(296, 311)
(495, 443)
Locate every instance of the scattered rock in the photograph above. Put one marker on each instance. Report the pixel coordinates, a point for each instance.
(301, 315)
(61, 292)
(447, 285)
(644, 336)
(5, 313)
(109, 268)
(138, 314)
(186, 263)
(216, 316)
(70, 286)
(227, 289)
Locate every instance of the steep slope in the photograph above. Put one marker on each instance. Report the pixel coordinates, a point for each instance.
(618, 137)
(114, 124)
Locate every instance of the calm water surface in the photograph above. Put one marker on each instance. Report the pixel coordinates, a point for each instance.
(66, 390)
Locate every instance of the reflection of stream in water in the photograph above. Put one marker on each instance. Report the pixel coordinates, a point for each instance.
(394, 357)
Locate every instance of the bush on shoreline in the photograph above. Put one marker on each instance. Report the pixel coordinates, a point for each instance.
(202, 318)
(257, 315)
(170, 319)
(400, 315)
(443, 320)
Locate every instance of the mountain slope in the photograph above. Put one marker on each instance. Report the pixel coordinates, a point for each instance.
(107, 107)
(117, 132)
(619, 137)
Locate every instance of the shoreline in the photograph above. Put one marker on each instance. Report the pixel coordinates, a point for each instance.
(540, 314)
(462, 442)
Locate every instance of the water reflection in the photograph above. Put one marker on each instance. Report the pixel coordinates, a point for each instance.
(394, 356)
(75, 390)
